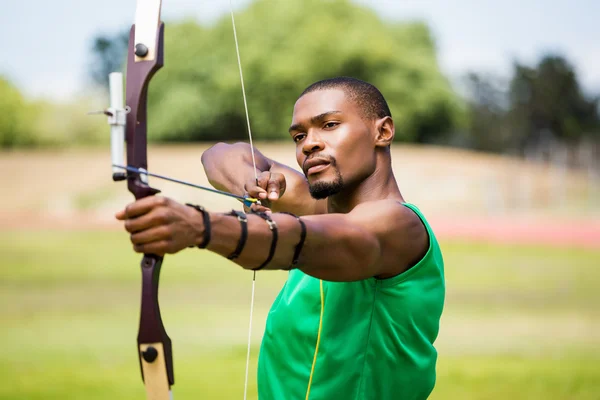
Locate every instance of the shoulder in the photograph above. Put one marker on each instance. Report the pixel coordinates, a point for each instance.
(402, 235)
(388, 214)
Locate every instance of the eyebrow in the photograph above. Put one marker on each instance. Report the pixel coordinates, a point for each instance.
(314, 120)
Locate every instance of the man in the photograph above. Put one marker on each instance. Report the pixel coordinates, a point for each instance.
(360, 310)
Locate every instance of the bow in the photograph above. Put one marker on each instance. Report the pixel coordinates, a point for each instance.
(145, 58)
(128, 124)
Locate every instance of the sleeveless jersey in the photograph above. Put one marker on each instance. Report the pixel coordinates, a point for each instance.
(370, 339)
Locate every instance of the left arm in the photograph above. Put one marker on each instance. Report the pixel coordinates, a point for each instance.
(377, 239)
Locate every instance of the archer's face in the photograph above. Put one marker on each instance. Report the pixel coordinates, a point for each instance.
(334, 142)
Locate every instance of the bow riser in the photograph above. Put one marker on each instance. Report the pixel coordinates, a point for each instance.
(154, 345)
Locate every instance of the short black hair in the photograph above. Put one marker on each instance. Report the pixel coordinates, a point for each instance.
(368, 98)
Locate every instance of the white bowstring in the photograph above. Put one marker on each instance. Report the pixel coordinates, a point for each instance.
(249, 338)
(237, 51)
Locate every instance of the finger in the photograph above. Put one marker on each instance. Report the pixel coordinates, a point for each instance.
(121, 215)
(259, 208)
(156, 234)
(255, 207)
(156, 217)
(255, 191)
(159, 248)
(263, 182)
(262, 179)
(145, 205)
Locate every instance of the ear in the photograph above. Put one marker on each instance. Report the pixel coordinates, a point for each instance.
(385, 132)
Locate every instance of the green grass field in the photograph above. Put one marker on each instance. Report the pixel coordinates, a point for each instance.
(520, 322)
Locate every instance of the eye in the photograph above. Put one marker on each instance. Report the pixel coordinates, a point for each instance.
(330, 125)
(297, 138)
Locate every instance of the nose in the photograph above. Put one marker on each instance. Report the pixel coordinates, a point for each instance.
(312, 143)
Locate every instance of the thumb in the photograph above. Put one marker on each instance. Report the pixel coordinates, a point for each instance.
(276, 186)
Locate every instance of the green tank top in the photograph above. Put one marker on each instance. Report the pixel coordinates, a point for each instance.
(370, 339)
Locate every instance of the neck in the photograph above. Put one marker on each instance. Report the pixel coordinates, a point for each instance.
(380, 185)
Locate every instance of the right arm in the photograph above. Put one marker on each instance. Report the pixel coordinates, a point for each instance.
(229, 168)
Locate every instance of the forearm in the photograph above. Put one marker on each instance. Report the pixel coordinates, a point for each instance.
(231, 176)
(334, 249)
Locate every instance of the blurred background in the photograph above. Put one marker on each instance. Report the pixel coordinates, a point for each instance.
(498, 142)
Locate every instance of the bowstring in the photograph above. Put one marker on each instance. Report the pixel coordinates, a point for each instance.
(237, 52)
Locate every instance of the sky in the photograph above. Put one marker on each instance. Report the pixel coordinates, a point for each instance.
(45, 45)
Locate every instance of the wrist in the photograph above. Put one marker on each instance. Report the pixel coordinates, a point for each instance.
(225, 231)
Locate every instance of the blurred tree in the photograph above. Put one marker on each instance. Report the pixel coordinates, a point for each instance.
(286, 46)
(487, 101)
(548, 101)
(539, 105)
(15, 126)
(108, 55)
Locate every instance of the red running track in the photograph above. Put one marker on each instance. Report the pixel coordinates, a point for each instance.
(578, 233)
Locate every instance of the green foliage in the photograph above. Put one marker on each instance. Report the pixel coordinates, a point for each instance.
(15, 123)
(286, 46)
(67, 124)
(42, 123)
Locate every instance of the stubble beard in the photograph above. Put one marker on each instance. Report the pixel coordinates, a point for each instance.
(321, 190)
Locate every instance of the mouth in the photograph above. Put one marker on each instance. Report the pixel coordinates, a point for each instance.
(316, 169)
(315, 165)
